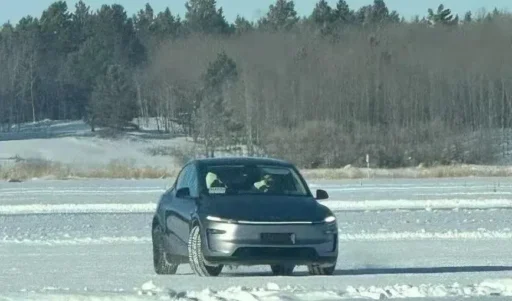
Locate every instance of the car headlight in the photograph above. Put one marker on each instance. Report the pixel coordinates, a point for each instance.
(330, 219)
(221, 220)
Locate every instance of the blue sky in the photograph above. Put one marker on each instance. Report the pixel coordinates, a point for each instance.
(13, 10)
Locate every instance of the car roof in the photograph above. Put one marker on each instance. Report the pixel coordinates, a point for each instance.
(241, 161)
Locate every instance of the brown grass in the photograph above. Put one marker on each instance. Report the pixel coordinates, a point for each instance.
(28, 169)
(445, 171)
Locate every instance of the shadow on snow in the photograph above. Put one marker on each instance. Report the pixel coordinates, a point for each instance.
(382, 271)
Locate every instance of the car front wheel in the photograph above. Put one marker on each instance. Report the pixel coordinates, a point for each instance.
(161, 259)
(195, 255)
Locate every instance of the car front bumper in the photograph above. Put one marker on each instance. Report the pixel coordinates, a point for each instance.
(241, 244)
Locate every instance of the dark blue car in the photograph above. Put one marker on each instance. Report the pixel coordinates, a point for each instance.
(243, 211)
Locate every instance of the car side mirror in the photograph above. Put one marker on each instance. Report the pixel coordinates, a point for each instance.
(183, 192)
(321, 194)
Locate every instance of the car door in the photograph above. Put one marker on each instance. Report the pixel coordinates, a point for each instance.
(167, 209)
(185, 206)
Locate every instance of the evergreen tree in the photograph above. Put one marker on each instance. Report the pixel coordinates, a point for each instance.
(323, 17)
(166, 26)
(343, 14)
(468, 17)
(214, 117)
(281, 16)
(202, 16)
(144, 24)
(113, 102)
(443, 16)
(242, 25)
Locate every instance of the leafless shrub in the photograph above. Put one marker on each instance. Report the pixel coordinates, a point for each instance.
(36, 168)
(184, 154)
(25, 170)
(125, 169)
(33, 168)
(415, 95)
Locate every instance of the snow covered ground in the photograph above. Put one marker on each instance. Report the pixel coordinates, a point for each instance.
(75, 151)
(438, 239)
(73, 143)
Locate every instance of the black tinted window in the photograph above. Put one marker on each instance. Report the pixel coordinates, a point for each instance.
(192, 181)
(188, 178)
(252, 179)
(183, 178)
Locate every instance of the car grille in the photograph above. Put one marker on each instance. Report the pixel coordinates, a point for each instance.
(277, 238)
(265, 252)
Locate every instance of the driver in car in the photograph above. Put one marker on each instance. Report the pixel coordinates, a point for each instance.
(267, 184)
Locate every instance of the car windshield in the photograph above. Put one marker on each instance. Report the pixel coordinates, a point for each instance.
(253, 179)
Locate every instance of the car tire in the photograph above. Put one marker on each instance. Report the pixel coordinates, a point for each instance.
(161, 262)
(282, 269)
(195, 255)
(315, 269)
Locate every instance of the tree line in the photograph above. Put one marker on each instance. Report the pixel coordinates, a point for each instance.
(322, 90)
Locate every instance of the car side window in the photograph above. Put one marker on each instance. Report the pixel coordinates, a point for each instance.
(182, 178)
(192, 181)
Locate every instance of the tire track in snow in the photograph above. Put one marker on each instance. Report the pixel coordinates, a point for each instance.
(76, 208)
(335, 205)
(343, 237)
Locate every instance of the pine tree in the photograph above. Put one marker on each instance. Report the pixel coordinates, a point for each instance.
(113, 102)
(281, 16)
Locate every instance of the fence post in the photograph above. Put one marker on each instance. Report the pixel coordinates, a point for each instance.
(368, 164)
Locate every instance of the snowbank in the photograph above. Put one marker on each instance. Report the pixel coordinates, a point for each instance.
(72, 143)
(343, 237)
(76, 208)
(363, 205)
(272, 292)
(88, 152)
(422, 235)
(405, 204)
(105, 240)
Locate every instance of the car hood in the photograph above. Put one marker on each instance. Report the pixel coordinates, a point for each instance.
(265, 208)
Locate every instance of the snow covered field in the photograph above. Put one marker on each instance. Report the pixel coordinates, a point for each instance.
(438, 239)
(68, 149)
(72, 143)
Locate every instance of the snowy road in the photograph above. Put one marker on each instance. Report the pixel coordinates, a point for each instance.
(412, 238)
